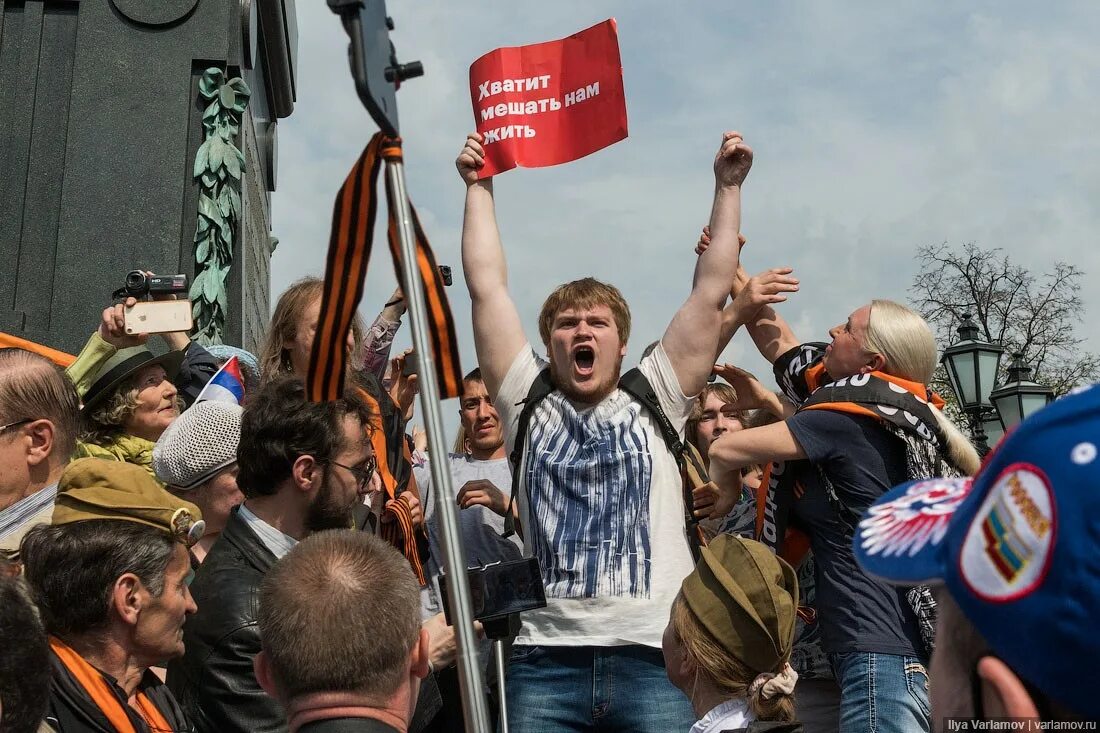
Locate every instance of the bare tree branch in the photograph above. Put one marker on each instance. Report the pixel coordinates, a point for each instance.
(1035, 316)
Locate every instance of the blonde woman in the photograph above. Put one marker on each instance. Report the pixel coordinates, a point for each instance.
(866, 421)
(728, 642)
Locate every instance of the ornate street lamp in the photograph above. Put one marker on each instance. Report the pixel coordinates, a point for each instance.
(1019, 398)
(992, 426)
(971, 366)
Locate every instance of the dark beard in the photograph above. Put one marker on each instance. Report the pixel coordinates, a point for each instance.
(324, 513)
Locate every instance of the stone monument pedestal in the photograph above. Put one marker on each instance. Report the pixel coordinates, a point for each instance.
(100, 123)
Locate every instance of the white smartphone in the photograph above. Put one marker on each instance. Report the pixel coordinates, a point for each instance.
(159, 316)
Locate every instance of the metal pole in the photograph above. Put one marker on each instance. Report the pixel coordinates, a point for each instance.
(977, 432)
(502, 692)
(474, 708)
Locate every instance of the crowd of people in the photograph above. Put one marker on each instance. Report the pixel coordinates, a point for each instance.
(715, 555)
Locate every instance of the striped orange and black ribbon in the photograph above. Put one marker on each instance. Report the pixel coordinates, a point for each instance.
(403, 536)
(349, 251)
(353, 218)
(100, 693)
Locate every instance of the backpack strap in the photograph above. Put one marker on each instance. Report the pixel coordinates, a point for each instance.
(637, 386)
(540, 389)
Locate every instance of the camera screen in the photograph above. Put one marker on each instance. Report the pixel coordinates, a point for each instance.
(501, 589)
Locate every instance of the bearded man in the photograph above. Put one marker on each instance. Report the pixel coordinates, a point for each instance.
(303, 468)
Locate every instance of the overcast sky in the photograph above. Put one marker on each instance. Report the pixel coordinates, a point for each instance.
(877, 128)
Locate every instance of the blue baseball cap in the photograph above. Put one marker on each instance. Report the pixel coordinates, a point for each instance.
(1017, 546)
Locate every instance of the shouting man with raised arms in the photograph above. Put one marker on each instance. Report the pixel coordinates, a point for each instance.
(600, 497)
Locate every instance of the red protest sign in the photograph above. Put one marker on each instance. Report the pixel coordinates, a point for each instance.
(549, 103)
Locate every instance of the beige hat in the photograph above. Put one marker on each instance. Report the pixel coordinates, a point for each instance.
(747, 599)
(94, 488)
(123, 365)
(198, 444)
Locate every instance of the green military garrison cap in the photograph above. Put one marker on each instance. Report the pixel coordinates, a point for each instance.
(94, 488)
(747, 598)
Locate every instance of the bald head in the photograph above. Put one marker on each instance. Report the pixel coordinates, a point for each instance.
(340, 613)
(34, 389)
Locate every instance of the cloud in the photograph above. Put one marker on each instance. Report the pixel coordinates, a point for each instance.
(877, 128)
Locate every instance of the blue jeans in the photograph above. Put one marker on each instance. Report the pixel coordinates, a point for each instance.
(882, 693)
(620, 688)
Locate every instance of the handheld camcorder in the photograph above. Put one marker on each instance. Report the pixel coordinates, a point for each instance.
(138, 285)
(501, 589)
(156, 316)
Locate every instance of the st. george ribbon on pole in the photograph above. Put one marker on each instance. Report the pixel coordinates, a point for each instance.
(377, 75)
(475, 710)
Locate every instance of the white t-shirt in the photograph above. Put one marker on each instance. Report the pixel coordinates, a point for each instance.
(603, 509)
(482, 530)
(730, 715)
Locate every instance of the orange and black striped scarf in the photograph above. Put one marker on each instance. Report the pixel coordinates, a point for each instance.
(397, 482)
(101, 700)
(902, 406)
(349, 252)
(346, 270)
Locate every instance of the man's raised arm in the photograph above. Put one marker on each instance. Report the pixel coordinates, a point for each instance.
(769, 330)
(498, 332)
(751, 306)
(692, 338)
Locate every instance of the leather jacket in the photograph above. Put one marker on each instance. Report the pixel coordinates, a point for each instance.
(214, 681)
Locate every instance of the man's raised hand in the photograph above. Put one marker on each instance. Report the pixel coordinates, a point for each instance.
(733, 160)
(766, 288)
(471, 159)
(704, 241)
(751, 393)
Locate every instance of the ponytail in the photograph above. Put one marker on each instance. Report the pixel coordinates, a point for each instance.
(906, 342)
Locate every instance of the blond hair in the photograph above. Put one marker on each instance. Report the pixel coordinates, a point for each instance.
(584, 294)
(461, 441)
(905, 341)
(286, 319)
(729, 675)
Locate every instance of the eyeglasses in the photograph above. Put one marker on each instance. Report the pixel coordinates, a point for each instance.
(362, 475)
(17, 423)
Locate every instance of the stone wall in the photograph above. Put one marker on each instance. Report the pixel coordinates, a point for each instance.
(100, 120)
(254, 248)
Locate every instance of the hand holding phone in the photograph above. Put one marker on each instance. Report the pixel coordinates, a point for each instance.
(158, 316)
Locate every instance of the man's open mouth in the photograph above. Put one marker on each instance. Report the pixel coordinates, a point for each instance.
(584, 359)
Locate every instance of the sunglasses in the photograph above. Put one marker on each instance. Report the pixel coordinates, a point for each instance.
(362, 475)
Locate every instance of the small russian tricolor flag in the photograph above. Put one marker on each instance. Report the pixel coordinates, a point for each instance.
(226, 385)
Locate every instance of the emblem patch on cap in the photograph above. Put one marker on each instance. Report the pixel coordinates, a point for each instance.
(1009, 543)
(917, 517)
(185, 528)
